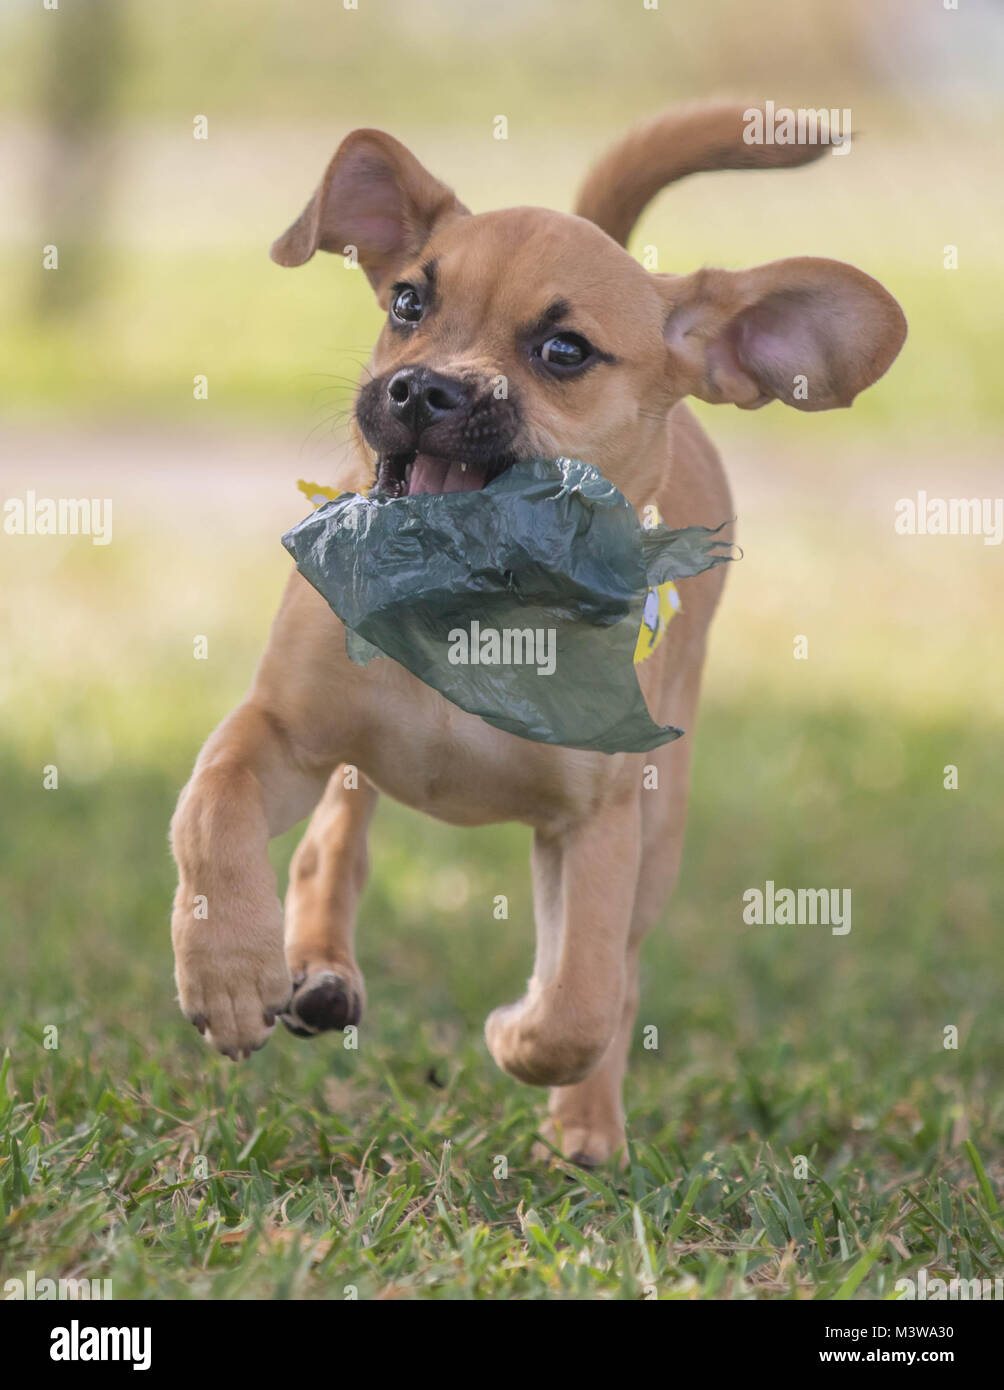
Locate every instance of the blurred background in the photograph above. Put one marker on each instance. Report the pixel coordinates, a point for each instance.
(820, 772)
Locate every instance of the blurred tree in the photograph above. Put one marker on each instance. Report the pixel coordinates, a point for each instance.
(80, 74)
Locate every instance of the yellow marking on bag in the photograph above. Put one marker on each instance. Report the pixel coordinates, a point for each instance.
(317, 492)
(661, 606)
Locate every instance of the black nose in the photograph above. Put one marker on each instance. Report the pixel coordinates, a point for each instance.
(419, 398)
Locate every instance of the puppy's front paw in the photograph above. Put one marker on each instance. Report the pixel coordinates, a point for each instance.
(324, 1000)
(231, 987)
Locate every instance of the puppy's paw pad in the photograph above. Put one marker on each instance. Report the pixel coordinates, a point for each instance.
(322, 1003)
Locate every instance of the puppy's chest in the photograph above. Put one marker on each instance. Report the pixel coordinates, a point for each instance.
(429, 754)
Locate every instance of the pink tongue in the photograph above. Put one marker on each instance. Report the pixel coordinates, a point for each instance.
(429, 474)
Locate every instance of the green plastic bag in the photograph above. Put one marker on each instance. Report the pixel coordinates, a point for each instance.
(524, 603)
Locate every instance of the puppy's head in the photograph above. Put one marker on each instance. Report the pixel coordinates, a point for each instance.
(527, 332)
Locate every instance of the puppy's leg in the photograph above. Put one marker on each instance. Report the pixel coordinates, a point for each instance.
(584, 888)
(248, 785)
(326, 880)
(586, 1121)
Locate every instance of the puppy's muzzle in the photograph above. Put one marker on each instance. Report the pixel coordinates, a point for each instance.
(436, 433)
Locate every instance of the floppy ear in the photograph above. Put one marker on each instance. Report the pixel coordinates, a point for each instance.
(806, 331)
(376, 197)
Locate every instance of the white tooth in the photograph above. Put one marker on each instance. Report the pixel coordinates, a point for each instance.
(463, 468)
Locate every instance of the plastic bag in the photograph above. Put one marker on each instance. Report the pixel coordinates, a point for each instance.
(523, 603)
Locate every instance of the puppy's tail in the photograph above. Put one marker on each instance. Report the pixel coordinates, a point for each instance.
(685, 140)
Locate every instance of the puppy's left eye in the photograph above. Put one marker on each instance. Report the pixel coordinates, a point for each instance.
(565, 352)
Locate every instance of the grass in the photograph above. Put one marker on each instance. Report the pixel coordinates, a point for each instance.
(402, 1169)
(199, 1187)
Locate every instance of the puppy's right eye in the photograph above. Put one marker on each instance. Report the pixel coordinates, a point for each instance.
(406, 307)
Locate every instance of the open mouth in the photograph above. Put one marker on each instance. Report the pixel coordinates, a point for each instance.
(408, 474)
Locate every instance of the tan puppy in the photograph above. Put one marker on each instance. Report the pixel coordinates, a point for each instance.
(598, 355)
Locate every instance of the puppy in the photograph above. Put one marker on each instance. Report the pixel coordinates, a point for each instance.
(598, 356)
